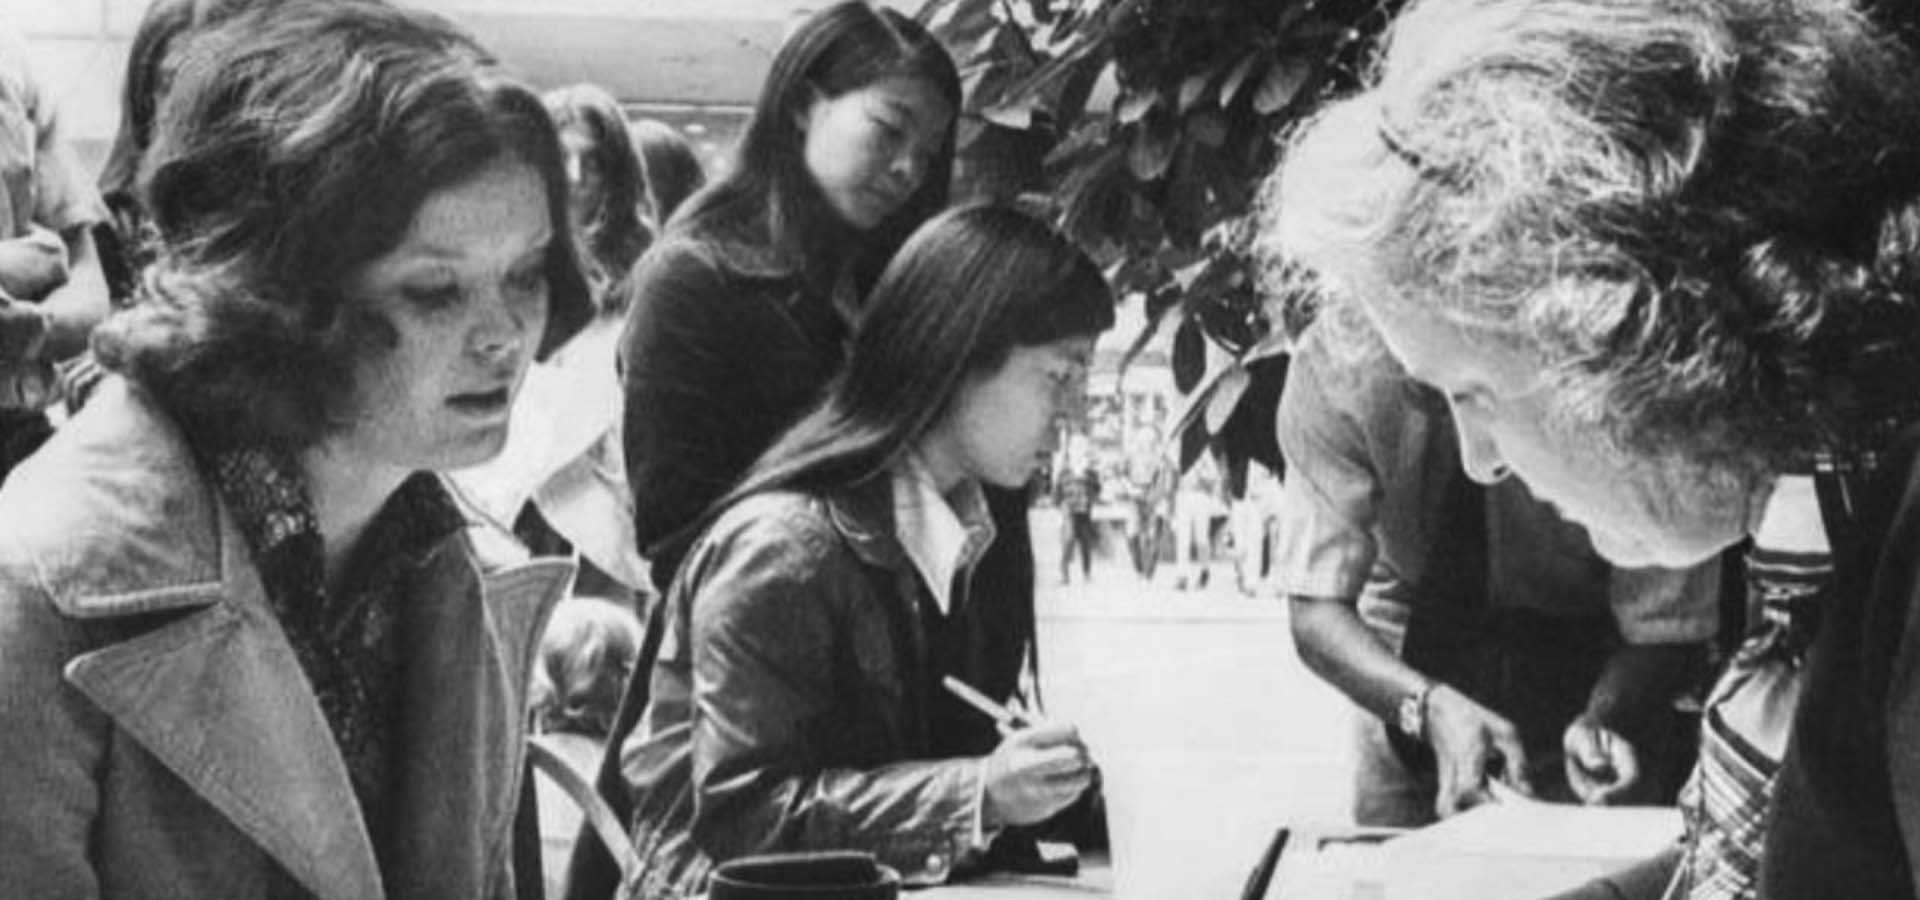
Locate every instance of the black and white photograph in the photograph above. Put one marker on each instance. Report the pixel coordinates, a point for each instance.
(959, 449)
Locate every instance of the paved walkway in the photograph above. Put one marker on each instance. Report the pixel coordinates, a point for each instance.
(1207, 677)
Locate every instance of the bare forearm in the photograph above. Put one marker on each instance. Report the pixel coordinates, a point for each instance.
(1339, 647)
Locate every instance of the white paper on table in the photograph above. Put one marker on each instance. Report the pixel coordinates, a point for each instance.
(1523, 850)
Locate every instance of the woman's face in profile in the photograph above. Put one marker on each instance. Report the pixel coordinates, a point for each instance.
(464, 297)
(870, 148)
(1002, 426)
(1667, 511)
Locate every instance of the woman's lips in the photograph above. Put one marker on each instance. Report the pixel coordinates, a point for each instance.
(481, 403)
(885, 202)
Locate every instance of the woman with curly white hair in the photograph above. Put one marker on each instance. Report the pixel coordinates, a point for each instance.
(1663, 258)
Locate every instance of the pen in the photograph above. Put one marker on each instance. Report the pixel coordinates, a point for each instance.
(971, 696)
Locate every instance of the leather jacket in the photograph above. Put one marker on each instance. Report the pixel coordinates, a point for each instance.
(791, 703)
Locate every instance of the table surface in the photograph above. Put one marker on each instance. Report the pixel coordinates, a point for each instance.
(1514, 851)
(1095, 880)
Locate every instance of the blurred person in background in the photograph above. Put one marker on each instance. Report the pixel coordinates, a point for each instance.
(1151, 478)
(1196, 504)
(249, 648)
(1251, 518)
(1076, 491)
(669, 164)
(609, 190)
(587, 653)
(52, 292)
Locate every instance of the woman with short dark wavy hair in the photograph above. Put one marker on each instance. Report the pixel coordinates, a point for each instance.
(1661, 257)
(266, 185)
(250, 646)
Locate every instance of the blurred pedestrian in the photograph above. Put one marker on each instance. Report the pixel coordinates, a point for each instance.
(1076, 492)
(608, 192)
(670, 165)
(52, 293)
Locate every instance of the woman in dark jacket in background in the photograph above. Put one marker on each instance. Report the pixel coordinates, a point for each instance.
(737, 316)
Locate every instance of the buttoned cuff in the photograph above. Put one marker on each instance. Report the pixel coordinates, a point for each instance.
(928, 853)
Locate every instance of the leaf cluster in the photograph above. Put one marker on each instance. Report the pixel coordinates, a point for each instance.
(1142, 128)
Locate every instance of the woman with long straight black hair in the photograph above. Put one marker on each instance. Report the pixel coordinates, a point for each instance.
(796, 702)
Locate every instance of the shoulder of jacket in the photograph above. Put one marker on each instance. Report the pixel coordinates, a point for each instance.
(785, 516)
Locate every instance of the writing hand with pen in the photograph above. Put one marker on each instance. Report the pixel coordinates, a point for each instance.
(1601, 765)
(1038, 769)
(1472, 746)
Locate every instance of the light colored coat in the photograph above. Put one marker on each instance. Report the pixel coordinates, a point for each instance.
(157, 736)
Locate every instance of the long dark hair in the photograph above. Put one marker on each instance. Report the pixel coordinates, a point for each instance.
(671, 168)
(296, 146)
(964, 291)
(610, 232)
(766, 214)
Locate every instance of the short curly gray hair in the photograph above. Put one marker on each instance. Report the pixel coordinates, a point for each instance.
(1698, 212)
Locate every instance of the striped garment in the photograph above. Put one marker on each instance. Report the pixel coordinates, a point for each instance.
(1744, 728)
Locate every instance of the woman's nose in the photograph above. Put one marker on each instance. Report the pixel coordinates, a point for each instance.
(1479, 454)
(499, 332)
(909, 167)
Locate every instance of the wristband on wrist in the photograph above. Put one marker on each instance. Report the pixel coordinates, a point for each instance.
(1412, 711)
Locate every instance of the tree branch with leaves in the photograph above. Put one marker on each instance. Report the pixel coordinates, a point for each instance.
(1142, 128)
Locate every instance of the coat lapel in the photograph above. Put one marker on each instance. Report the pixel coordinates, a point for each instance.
(218, 698)
(469, 653)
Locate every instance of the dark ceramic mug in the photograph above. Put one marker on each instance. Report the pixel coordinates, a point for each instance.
(842, 875)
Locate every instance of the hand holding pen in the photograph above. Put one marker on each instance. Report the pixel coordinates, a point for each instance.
(1038, 769)
(1601, 765)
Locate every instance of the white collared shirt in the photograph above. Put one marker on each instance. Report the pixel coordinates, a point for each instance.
(943, 536)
